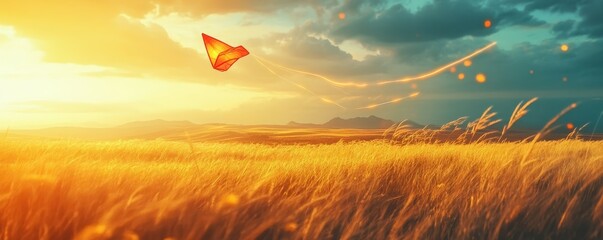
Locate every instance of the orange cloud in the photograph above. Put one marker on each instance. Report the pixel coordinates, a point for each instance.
(113, 34)
(104, 33)
(220, 6)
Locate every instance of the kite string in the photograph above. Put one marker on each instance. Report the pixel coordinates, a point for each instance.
(333, 82)
(324, 99)
(327, 100)
(423, 76)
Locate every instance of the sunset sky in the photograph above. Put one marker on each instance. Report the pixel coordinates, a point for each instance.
(104, 63)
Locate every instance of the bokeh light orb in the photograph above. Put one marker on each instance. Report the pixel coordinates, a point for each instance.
(487, 23)
(467, 63)
(569, 126)
(480, 78)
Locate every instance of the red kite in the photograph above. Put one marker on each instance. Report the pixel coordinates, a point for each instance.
(222, 55)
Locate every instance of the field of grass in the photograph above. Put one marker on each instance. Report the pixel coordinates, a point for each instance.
(61, 189)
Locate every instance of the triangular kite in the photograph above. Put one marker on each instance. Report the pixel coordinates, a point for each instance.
(222, 55)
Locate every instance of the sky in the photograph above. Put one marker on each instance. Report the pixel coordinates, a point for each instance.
(104, 63)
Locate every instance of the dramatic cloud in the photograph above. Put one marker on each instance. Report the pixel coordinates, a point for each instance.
(592, 19)
(311, 53)
(442, 19)
(552, 5)
(562, 29)
(590, 11)
(205, 7)
(113, 34)
(100, 34)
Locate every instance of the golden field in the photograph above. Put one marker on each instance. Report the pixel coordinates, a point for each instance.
(156, 189)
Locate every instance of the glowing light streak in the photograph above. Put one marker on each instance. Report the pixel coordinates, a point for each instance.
(450, 66)
(440, 69)
(396, 100)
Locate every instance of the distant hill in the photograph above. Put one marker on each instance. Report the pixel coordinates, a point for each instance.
(334, 130)
(304, 125)
(370, 122)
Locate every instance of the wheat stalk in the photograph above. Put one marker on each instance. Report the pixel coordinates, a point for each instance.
(388, 130)
(546, 129)
(483, 122)
(596, 125)
(519, 112)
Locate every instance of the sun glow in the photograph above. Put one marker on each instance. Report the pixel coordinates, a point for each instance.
(36, 93)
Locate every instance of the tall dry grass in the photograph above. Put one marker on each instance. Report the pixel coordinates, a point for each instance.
(480, 130)
(362, 190)
(520, 111)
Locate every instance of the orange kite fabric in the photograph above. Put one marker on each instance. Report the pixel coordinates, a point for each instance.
(222, 55)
